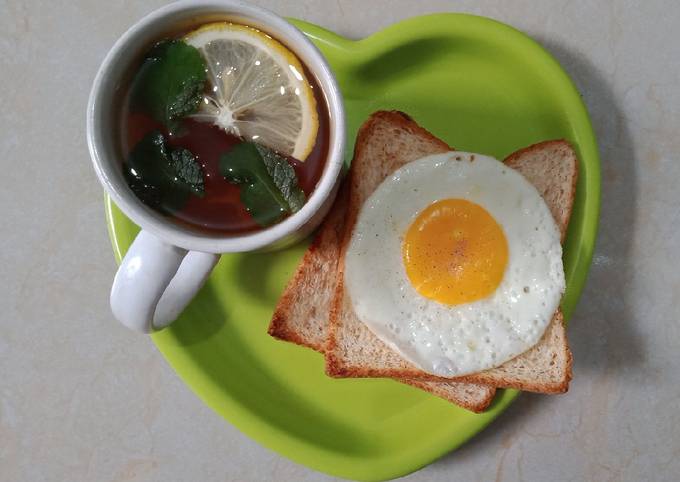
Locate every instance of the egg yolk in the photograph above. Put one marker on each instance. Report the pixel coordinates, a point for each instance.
(455, 252)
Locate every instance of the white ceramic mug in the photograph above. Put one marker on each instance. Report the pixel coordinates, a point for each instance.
(167, 263)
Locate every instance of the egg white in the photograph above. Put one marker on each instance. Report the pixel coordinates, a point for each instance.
(455, 340)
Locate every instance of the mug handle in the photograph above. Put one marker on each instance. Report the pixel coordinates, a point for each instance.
(156, 281)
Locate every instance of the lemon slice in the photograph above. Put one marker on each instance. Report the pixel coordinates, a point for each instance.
(258, 88)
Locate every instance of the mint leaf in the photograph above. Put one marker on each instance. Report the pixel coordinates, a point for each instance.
(188, 171)
(269, 187)
(162, 178)
(170, 82)
(284, 177)
(146, 170)
(264, 209)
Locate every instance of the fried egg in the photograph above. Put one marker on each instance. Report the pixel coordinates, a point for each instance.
(455, 262)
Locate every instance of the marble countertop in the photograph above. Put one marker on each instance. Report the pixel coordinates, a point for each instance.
(73, 408)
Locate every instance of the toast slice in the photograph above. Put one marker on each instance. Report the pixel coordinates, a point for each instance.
(302, 313)
(352, 350)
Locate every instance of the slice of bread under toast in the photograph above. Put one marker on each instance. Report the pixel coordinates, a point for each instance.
(302, 313)
(352, 350)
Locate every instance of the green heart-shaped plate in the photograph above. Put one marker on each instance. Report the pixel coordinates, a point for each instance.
(480, 86)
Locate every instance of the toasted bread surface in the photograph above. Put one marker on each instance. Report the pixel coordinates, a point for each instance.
(552, 167)
(302, 313)
(352, 350)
